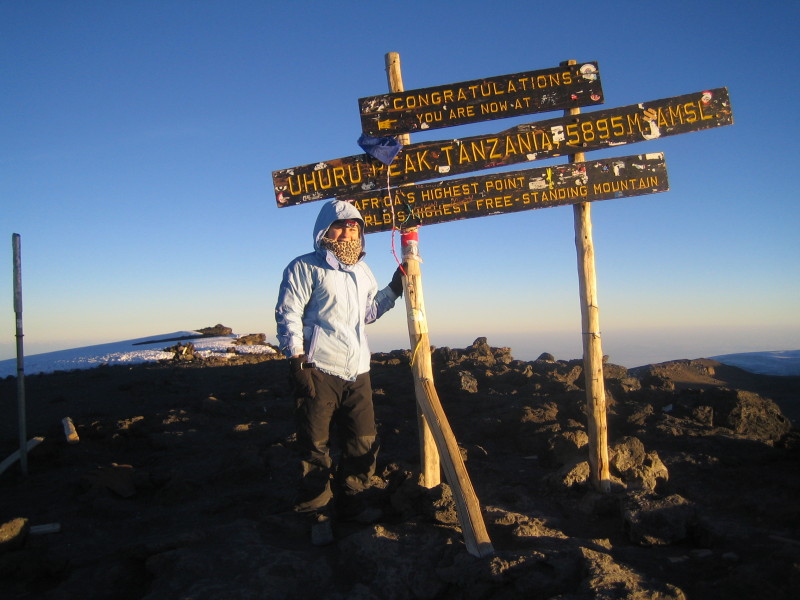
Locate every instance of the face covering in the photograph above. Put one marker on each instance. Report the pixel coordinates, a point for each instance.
(348, 252)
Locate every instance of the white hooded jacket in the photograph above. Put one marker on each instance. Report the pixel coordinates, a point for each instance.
(324, 305)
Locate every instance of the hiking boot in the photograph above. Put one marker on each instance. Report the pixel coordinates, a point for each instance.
(357, 507)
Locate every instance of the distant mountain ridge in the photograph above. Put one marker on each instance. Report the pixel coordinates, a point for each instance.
(778, 362)
(221, 339)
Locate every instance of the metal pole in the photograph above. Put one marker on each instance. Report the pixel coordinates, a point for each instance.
(23, 434)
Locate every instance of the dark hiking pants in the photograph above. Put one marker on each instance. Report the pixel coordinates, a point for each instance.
(344, 409)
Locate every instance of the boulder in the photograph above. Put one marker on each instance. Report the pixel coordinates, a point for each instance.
(251, 339)
(651, 520)
(215, 331)
(13, 534)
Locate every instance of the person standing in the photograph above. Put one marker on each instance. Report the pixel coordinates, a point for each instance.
(326, 299)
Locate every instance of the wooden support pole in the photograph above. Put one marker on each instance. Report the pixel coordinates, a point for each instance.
(433, 421)
(592, 348)
(23, 427)
(476, 538)
(421, 365)
(429, 457)
(70, 433)
(17, 454)
(45, 529)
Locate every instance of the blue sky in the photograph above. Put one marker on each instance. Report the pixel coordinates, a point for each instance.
(137, 142)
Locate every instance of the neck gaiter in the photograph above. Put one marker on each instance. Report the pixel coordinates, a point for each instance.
(348, 251)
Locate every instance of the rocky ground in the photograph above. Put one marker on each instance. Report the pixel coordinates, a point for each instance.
(179, 484)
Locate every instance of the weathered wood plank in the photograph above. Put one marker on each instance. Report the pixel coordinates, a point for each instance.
(563, 87)
(512, 191)
(528, 142)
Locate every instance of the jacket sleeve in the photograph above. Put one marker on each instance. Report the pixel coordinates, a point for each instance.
(293, 296)
(383, 301)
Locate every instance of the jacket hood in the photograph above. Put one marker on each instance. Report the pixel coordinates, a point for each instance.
(335, 210)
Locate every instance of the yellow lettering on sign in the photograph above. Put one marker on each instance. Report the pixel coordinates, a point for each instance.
(603, 129)
(564, 193)
(646, 182)
(624, 185)
(408, 163)
(523, 141)
(546, 80)
(448, 158)
(635, 123)
(503, 184)
(463, 154)
(422, 161)
(674, 114)
(494, 107)
(689, 112)
(462, 112)
(511, 150)
(323, 178)
(430, 117)
(448, 191)
(617, 127)
(545, 142)
(620, 126)
(703, 115)
(493, 151)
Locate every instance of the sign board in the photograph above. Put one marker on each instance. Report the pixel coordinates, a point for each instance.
(512, 191)
(565, 87)
(422, 161)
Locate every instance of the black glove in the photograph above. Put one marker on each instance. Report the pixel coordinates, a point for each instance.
(396, 284)
(300, 377)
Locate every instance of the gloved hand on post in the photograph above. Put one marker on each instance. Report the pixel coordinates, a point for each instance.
(396, 284)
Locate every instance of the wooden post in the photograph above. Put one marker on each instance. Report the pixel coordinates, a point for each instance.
(23, 434)
(429, 457)
(476, 538)
(433, 421)
(17, 454)
(592, 348)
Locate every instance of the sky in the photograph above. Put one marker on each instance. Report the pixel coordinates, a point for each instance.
(138, 140)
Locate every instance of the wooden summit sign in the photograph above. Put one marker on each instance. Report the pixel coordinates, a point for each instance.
(568, 86)
(512, 191)
(569, 134)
